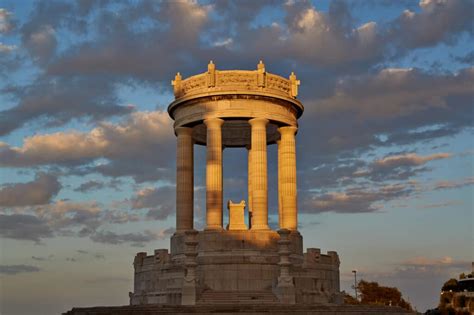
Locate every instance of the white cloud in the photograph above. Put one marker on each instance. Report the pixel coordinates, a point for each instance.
(6, 48)
(140, 137)
(409, 159)
(5, 21)
(225, 42)
(310, 18)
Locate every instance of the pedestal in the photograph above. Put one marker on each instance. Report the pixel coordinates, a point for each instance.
(188, 293)
(285, 289)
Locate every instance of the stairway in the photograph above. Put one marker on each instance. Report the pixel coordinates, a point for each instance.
(210, 297)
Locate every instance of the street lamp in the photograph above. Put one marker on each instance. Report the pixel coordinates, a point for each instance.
(355, 282)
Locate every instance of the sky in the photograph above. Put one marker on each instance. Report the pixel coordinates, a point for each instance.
(87, 150)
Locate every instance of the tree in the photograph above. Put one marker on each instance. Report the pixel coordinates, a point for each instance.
(450, 285)
(373, 293)
(349, 299)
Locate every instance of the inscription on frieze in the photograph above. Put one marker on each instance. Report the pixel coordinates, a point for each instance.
(274, 82)
(194, 83)
(236, 79)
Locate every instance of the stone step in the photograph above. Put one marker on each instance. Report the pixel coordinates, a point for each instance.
(237, 297)
(250, 309)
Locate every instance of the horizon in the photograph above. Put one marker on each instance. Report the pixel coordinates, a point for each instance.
(87, 151)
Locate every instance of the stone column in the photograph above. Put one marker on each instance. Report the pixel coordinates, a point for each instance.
(184, 179)
(287, 153)
(280, 205)
(259, 174)
(249, 182)
(214, 174)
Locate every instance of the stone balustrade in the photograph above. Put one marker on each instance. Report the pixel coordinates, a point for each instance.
(235, 80)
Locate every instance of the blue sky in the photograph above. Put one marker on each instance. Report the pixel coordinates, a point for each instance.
(87, 152)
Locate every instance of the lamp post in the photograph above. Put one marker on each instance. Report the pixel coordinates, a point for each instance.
(355, 282)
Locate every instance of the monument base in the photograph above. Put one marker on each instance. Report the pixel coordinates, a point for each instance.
(240, 309)
(234, 267)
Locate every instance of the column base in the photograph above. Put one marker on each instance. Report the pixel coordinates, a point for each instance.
(238, 227)
(188, 295)
(260, 227)
(285, 291)
(214, 228)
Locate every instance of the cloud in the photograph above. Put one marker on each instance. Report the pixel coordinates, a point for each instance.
(410, 159)
(467, 58)
(138, 133)
(438, 21)
(16, 269)
(39, 258)
(350, 171)
(6, 48)
(307, 36)
(124, 50)
(93, 255)
(453, 184)
(91, 185)
(330, 174)
(99, 256)
(61, 218)
(6, 24)
(167, 232)
(447, 204)
(404, 94)
(322, 38)
(42, 43)
(62, 215)
(116, 51)
(387, 108)
(136, 239)
(160, 201)
(330, 39)
(355, 200)
(398, 167)
(24, 227)
(142, 146)
(37, 192)
(117, 217)
(66, 99)
(38, 33)
(439, 262)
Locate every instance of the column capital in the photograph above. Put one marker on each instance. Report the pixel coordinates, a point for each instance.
(287, 130)
(185, 131)
(258, 122)
(213, 122)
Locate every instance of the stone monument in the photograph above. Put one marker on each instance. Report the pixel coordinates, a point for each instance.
(239, 267)
(237, 262)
